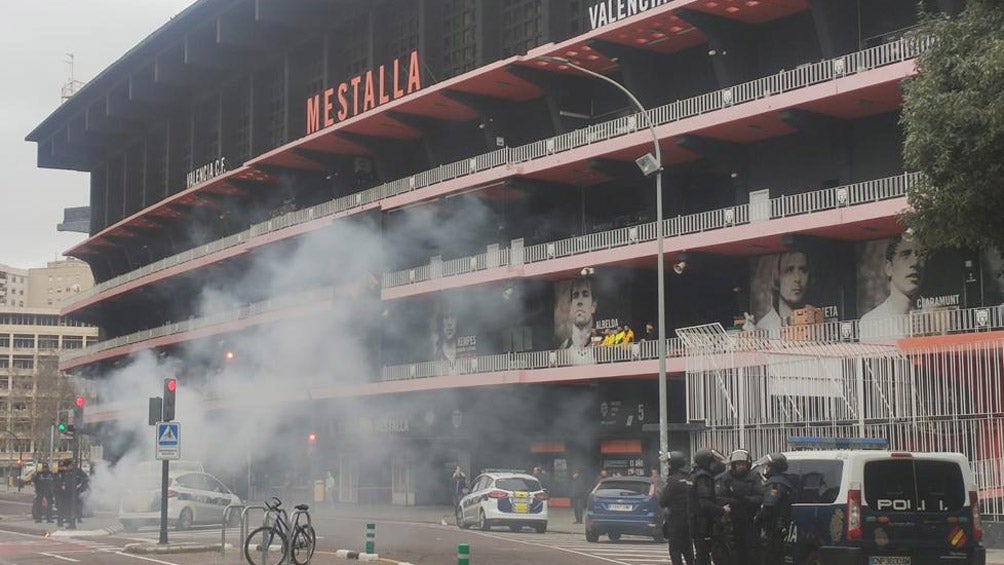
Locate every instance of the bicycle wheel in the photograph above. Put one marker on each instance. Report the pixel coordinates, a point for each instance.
(265, 546)
(304, 541)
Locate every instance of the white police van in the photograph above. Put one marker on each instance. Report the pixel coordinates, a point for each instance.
(857, 503)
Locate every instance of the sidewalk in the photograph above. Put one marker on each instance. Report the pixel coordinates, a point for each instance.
(101, 524)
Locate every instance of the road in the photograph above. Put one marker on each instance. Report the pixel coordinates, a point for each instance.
(419, 543)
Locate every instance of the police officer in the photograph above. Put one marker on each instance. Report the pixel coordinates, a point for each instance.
(774, 518)
(674, 499)
(735, 539)
(45, 489)
(63, 496)
(703, 505)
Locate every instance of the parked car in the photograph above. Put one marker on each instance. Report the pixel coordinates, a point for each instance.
(623, 505)
(193, 497)
(502, 498)
(883, 508)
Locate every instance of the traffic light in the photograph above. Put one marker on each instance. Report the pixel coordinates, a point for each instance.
(78, 411)
(170, 388)
(312, 439)
(63, 421)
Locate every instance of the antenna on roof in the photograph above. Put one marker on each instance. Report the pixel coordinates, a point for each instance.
(72, 85)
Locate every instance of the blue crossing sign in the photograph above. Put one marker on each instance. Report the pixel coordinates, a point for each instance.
(168, 440)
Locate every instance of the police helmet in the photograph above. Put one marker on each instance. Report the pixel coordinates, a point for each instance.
(741, 456)
(704, 459)
(777, 462)
(677, 460)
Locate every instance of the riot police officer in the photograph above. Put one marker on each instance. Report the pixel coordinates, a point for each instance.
(674, 499)
(703, 505)
(774, 518)
(734, 539)
(45, 488)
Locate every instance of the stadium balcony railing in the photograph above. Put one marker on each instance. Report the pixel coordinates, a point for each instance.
(780, 207)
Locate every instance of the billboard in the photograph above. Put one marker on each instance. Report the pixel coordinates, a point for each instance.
(452, 336)
(897, 276)
(589, 308)
(785, 282)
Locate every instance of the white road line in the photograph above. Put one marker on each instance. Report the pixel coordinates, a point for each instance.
(572, 551)
(60, 557)
(151, 559)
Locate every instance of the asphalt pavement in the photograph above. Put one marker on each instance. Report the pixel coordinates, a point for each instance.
(415, 535)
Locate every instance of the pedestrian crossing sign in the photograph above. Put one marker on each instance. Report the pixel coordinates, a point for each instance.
(168, 440)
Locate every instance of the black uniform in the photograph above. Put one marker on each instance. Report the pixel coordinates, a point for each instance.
(704, 511)
(774, 517)
(735, 536)
(675, 499)
(70, 487)
(45, 488)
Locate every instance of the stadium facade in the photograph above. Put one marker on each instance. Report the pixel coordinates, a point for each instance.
(461, 210)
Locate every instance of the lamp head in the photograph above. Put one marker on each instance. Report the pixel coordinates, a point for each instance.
(648, 164)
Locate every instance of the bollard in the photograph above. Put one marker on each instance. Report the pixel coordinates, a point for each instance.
(463, 554)
(370, 538)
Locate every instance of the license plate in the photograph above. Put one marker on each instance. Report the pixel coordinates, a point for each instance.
(520, 507)
(620, 507)
(888, 560)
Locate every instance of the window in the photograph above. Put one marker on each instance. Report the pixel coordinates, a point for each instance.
(21, 362)
(48, 342)
(73, 342)
(522, 26)
(4, 364)
(459, 37)
(912, 485)
(22, 341)
(578, 11)
(818, 481)
(622, 488)
(4, 340)
(521, 484)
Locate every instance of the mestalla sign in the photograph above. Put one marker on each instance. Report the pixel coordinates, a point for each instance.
(610, 11)
(364, 92)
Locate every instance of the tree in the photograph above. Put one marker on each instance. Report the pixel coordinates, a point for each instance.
(953, 117)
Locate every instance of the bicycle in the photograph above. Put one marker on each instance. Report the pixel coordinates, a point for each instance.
(269, 544)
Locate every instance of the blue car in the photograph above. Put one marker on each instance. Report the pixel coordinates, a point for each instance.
(623, 505)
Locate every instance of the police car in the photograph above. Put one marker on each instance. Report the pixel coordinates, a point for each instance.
(504, 498)
(859, 503)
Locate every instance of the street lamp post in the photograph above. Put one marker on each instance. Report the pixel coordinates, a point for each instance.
(649, 166)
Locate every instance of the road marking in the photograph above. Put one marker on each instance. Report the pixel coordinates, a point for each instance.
(152, 560)
(572, 551)
(60, 557)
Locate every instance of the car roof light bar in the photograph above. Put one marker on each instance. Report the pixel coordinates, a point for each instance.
(805, 443)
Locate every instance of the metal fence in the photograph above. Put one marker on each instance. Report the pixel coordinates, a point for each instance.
(804, 76)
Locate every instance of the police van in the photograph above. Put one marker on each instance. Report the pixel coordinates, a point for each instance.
(856, 503)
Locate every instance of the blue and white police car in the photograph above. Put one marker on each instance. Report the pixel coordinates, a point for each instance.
(504, 498)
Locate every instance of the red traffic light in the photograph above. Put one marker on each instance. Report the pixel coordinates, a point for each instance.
(172, 385)
(312, 438)
(80, 401)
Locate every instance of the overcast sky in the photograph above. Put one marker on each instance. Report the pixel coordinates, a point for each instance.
(35, 36)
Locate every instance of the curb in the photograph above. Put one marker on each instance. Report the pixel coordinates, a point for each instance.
(155, 549)
(360, 556)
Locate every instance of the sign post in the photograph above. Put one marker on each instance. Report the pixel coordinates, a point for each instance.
(168, 438)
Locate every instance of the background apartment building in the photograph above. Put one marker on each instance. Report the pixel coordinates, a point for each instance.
(32, 335)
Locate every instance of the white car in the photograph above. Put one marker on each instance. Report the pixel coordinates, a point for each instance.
(503, 498)
(193, 497)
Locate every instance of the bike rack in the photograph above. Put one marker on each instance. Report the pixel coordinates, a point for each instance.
(288, 558)
(226, 522)
(244, 526)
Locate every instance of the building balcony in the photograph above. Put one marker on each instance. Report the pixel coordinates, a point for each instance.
(503, 263)
(713, 113)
